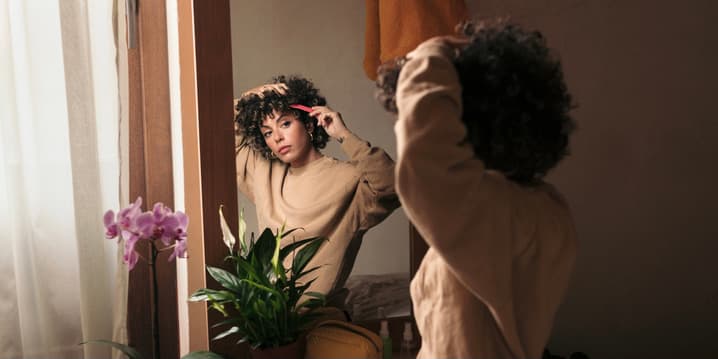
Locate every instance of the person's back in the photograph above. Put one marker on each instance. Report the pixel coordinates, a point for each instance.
(475, 135)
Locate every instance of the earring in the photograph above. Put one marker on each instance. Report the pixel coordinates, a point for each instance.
(311, 137)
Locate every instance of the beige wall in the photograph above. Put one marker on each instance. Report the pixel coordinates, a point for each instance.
(323, 41)
(642, 177)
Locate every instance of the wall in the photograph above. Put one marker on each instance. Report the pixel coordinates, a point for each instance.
(323, 41)
(641, 178)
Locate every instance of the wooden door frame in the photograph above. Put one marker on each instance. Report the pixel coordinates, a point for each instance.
(150, 157)
(208, 147)
(208, 151)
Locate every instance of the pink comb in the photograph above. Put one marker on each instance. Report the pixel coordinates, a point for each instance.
(301, 107)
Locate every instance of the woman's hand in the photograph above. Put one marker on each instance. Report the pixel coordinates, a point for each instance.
(279, 88)
(331, 121)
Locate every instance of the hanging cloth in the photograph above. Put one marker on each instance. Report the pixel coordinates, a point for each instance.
(395, 27)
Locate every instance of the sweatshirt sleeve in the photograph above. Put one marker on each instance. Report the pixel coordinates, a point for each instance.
(376, 184)
(461, 210)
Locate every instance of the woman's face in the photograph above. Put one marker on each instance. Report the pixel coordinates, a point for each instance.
(288, 138)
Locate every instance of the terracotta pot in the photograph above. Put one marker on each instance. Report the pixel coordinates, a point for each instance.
(289, 351)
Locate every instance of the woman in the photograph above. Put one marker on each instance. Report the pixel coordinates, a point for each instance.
(481, 120)
(281, 128)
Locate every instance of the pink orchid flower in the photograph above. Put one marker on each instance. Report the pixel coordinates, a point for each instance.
(180, 250)
(181, 229)
(145, 225)
(124, 222)
(168, 229)
(133, 225)
(111, 228)
(161, 224)
(131, 256)
(126, 216)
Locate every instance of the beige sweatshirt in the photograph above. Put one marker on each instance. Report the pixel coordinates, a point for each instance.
(331, 198)
(500, 254)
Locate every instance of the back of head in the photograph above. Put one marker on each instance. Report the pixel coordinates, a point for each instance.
(515, 101)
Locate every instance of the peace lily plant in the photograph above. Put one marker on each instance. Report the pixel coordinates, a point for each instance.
(265, 303)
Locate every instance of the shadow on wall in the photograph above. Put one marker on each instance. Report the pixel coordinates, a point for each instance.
(639, 181)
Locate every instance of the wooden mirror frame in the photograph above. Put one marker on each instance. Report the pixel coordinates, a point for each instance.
(208, 147)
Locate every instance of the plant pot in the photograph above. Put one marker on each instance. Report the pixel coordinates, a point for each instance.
(289, 351)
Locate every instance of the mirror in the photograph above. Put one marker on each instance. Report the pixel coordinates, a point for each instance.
(324, 41)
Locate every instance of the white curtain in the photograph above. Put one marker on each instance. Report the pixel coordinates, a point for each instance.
(59, 170)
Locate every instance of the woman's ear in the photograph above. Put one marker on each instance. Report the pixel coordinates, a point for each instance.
(309, 126)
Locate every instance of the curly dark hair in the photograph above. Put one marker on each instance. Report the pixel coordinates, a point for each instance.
(252, 109)
(515, 101)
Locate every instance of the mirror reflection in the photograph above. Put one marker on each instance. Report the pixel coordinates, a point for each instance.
(343, 190)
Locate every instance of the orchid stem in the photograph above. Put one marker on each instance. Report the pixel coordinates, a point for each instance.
(155, 304)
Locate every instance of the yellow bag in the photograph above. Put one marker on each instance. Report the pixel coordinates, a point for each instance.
(336, 339)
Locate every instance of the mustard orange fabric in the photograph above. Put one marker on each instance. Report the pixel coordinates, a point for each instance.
(395, 27)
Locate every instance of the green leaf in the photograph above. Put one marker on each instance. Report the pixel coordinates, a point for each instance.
(304, 256)
(202, 355)
(284, 252)
(245, 269)
(288, 232)
(242, 233)
(296, 278)
(300, 289)
(296, 295)
(275, 256)
(228, 321)
(281, 275)
(226, 279)
(250, 245)
(205, 294)
(263, 248)
(219, 307)
(127, 350)
(226, 333)
(198, 296)
(263, 287)
(227, 236)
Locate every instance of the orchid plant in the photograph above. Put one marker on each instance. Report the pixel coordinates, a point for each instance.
(164, 230)
(161, 224)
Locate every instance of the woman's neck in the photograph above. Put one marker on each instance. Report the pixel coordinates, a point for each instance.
(312, 156)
